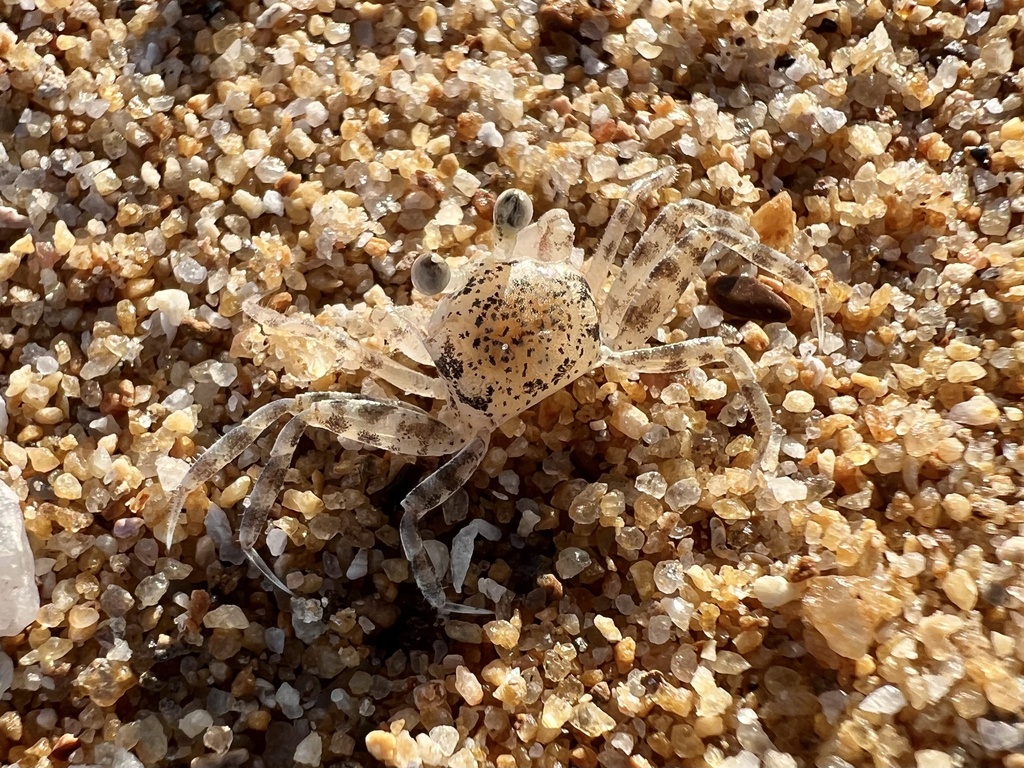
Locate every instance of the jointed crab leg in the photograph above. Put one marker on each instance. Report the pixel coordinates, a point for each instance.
(615, 229)
(389, 425)
(373, 362)
(659, 277)
(261, 499)
(433, 491)
(663, 233)
(697, 352)
(222, 453)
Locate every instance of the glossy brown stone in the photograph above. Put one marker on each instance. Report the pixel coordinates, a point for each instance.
(748, 298)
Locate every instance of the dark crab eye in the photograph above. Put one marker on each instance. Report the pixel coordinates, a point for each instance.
(430, 274)
(513, 210)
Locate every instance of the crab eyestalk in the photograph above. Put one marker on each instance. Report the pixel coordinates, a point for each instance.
(430, 274)
(513, 210)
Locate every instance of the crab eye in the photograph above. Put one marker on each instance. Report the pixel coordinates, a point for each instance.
(430, 274)
(513, 210)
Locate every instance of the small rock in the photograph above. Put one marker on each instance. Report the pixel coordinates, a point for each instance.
(775, 223)
(226, 617)
(12, 219)
(17, 567)
(786, 489)
(998, 736)
(272, 15)
(961, 589)
(125, 759)
(556, 712)
(748, 298)
(932, 758)
(381, 744)
(468, 686)
(571, 562)
(172, 304)
(591, 720)
(445, 738)
(979, 411)
(846, 610)
(652, 483)
(964, 371)
(775, 591)
(310, 750)
(607, 628)
(1012, 550)
(887, 700)
(798, 401)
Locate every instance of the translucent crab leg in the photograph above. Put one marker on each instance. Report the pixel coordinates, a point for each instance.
(404, 335)
(375, 363)
(382, 424)
(433, 491)
(650, 302)
(615, 230)
(704, 351)
(691, 211)
(394, 426)
(220, 454)
(671, 261)
(261, 500)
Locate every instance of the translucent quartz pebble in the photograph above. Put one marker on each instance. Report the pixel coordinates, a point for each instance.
(17, 567)
(462, 548)
(6, 673)
(571, 562)
(887, 700)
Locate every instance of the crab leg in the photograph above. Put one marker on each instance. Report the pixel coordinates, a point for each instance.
(257, 506)
(433, 491)
(698, 352)
(615, 230)
(376, 423)
(220, 454)
(649, 285)
(375, 363)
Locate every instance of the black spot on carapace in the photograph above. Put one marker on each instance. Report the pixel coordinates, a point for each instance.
(448, 364)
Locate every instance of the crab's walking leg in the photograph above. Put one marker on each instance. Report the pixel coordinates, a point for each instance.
(433, 491)
(704, 351)
(389, 425)
(392, 426)
(375, 363)
(670, 224)
(648, 286)
(615, 229)
(222, 453)
(258, 504)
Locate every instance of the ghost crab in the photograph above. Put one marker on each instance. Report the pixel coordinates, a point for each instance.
(522, 322)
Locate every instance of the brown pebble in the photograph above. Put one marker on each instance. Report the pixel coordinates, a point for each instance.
(563, 15)
(469, 125)
(64, 746)
(803, 569)
(429, 183)
(748, 298)
(288, 183)
(483, 204)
